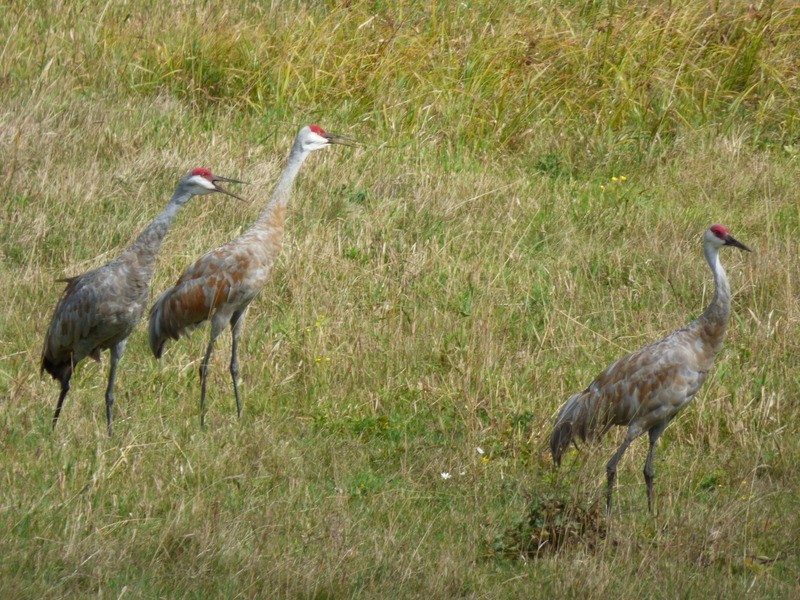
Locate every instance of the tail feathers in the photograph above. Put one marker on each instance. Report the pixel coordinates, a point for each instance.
(58, 370)
(157, 347)
(157, 335)
(166, 322)
(576, 420)
(68, 280)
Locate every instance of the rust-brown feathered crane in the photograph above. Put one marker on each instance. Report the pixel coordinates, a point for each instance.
(220, 286)
(644, 390)
(99, 309)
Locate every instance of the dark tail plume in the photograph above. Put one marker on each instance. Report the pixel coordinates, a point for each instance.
(574, 420)
(157, 337)
(58, 370)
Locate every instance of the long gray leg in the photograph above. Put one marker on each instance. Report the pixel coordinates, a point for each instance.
(611, 469)
(649, 471)
(216, 329)
(61, 396)
(237, 320)
(116, 354)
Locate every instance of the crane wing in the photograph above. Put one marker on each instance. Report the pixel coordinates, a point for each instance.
(646, 386)
(206, 286)
(92, 314)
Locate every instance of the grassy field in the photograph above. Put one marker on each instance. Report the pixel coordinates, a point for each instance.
(527, 205)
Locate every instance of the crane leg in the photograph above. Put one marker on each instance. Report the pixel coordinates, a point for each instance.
(216, 329)
(61, 396)
(649, 471)
(611, 469)
(237, 320)
(117, 350)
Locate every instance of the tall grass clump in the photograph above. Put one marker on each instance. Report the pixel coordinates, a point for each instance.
(621, 78)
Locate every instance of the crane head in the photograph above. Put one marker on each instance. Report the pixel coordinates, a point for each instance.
(202, 181)
(719, 235)
(314, 137)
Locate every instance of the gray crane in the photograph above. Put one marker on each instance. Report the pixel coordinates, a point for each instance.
(221, 285)
(99, 309)
(644, 390)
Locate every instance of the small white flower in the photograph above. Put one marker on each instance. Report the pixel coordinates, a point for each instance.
(446, 475)
(479, 450)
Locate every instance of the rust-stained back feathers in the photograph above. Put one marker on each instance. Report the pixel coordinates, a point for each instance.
(220, 285)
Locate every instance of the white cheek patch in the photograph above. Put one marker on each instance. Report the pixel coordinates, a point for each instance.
(712, 237)
(203, 182)
(317, 139)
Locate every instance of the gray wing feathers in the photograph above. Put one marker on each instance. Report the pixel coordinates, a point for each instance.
(95, 311)
(639, 390)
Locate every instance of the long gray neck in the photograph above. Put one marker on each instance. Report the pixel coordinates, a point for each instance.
(283, 191)
(144, 248)
(719, 309)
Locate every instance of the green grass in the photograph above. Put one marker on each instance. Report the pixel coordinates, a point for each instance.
(442, 288)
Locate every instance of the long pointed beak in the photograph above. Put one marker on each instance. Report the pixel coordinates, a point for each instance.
(341, 140)
(217, 178)
(732, 241)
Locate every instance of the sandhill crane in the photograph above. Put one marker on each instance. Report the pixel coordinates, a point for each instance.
(99, 309)
(220, 285)
(644, 390)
